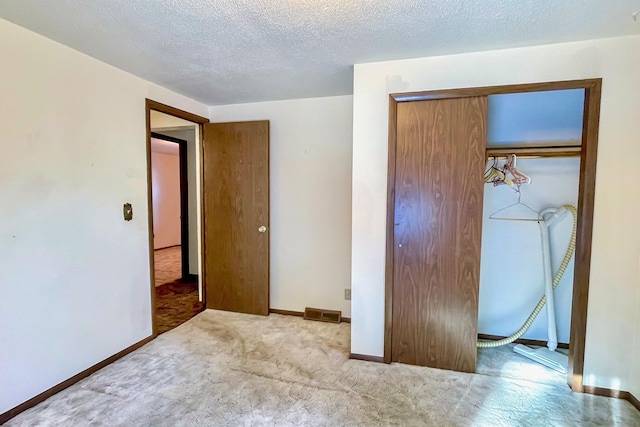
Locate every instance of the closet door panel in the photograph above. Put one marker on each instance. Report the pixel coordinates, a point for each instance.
(440, 160)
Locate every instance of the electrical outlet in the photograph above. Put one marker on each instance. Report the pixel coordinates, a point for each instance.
(347, 294)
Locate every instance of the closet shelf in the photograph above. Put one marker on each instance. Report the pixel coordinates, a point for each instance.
(541, 151)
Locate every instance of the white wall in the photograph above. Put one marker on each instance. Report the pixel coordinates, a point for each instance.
(310, 178)
(165, 184)
(74, 276)
(634, 380)
(616, 239)
(534, 117)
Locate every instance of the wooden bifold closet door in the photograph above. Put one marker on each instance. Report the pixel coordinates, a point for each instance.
(440, 160)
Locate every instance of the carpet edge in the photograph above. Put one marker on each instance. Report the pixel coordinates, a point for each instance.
(6, 416)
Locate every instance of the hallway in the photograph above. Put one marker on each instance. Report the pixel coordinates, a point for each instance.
(176, 299)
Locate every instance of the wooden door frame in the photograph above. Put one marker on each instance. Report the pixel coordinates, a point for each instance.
(198, 120)
(586, 192)
(184, 201)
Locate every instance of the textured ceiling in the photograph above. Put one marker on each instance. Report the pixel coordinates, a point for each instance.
(231, 51)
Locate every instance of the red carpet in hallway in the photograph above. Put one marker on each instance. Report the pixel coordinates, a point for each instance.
(176, 302)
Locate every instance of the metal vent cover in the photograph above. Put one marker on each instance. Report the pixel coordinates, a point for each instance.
(322, 315)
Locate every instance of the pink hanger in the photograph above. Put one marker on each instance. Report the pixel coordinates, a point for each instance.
(510, 167)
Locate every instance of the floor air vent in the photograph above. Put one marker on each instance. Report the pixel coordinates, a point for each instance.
(322, 315)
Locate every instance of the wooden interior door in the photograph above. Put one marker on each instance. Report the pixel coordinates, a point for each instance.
(236, 216)
(440, 160)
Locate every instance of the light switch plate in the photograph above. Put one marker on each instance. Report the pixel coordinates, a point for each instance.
(127, 211)
(347, 294)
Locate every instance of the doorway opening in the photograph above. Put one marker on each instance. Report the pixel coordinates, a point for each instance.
(170, 190)
(173, 157)
(534, 139)
(176, 281)
(435, 227)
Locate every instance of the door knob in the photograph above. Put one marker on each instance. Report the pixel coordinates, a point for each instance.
(262, 229)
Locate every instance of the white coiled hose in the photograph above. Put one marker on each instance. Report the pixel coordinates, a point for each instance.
(556, 280)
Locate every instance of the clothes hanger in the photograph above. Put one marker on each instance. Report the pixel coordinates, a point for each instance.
(489, 172)
(526, 214)
(496, 176)
(510, 167)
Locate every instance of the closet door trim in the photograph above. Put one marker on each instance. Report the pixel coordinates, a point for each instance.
(586, 194)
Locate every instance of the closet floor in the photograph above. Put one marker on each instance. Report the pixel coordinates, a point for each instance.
(504, 362)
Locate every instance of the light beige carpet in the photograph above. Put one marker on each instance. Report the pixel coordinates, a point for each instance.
(222, 369)
(504, 362)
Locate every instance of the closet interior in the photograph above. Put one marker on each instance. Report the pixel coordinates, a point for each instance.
(490, 202)
(534, 142)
